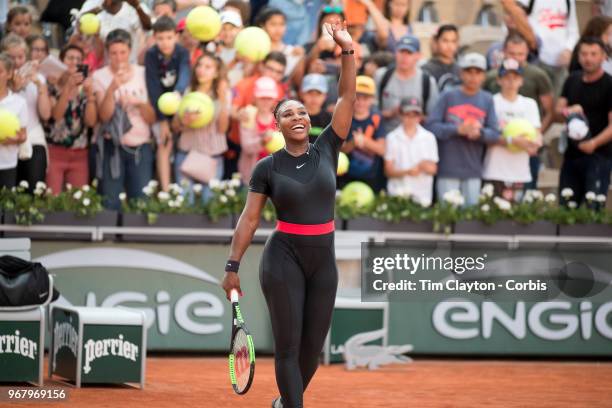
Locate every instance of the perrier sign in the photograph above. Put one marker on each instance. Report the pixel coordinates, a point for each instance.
(87, 351)
(20, 346)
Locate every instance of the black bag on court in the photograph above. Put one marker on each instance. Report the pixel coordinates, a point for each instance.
(23, 283)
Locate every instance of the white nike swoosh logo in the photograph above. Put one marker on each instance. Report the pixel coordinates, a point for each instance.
(300, 166)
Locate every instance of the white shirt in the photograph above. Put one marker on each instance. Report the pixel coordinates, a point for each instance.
(500, 163)
(406, 152)
(36, 133)
(557, 30)
(8, 153)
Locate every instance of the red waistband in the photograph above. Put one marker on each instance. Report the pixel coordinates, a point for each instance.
(305, 229)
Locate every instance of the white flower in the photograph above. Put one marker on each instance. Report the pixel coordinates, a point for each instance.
(184, 183)
(68, 186)
(236, 175)
(94, 183)
(235, 183)
(502, 204)
(86, 202)
(567, 192)
(214, 184)
(528, 198)
(223, 199)
(488, 190)
(454, 197)
(24, 184)
(85, 188)
(601, 198)
(40, 185)
(230, 193)
(197, 188)
(77, 195)
(172, 204)
(572, 204)
(590, 196)
(39, 192)
(148, 191)
(49, 191)
(550, 198)
(538, 195)
(175, 189)
(153, 184)
(122, 196)
(163, 196)
(485, 208)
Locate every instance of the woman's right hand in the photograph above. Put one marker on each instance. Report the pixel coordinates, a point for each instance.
(231, 280)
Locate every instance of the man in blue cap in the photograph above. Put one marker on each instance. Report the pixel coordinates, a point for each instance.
(402, 80)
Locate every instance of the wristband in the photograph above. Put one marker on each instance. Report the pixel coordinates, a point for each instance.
(348, 52)
(232, 266)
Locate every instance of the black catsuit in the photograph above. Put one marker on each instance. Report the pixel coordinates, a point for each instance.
(298, 273)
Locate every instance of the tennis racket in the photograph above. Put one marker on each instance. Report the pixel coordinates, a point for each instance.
(242, 351)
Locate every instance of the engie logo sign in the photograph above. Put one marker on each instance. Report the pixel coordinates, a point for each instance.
(189, 308)
(555, 320)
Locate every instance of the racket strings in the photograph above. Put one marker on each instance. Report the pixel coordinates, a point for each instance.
(242, 359)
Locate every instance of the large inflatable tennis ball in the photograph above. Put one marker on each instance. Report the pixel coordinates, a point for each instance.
(203, 23)
(9, 125)
(197, 102)
(168, 103)
(343, 164)
(89, 24)
(357, 194)
(276, 142)
(253, 43)
(519, 127)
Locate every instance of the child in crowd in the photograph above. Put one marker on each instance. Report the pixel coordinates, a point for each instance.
(411, 158)
(167, 69)
(464, 123)
(19, 21)
(33, 87)
(507, 170)
(365, 144)
(256, 129)
(207, 77)
(313, 93)
(15, 104)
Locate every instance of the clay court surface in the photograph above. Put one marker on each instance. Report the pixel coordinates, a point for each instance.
(203, 382)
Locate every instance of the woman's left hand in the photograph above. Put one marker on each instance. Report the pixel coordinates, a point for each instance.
(340, 35)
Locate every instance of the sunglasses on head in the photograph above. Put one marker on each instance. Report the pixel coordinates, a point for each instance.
(332, 10)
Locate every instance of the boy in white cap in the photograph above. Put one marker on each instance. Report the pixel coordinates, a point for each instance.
(411, 158)
(313, 94)
(464, 122)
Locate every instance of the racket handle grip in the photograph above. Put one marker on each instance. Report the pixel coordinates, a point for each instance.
(234, 296)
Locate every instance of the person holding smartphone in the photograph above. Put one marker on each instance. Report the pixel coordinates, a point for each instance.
(73, 115)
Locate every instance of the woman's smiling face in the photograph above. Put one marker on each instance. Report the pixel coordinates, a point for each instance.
(293, 121)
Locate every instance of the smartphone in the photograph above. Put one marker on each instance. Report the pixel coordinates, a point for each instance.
(83, 69)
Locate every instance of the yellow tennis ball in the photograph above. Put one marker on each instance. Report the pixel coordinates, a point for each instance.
(276, 142)
(519, 127)
(357, 194)
(168, 103)
(253, 43)
(343, 164)
(89, 24)
(203, 23)
(200, 103)
(9, 125)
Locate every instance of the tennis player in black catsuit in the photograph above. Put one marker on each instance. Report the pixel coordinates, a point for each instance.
(298, 272)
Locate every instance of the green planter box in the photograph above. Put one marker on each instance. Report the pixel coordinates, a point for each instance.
(372, 224)
(178, 221)
(505, 227)
(105, 218)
